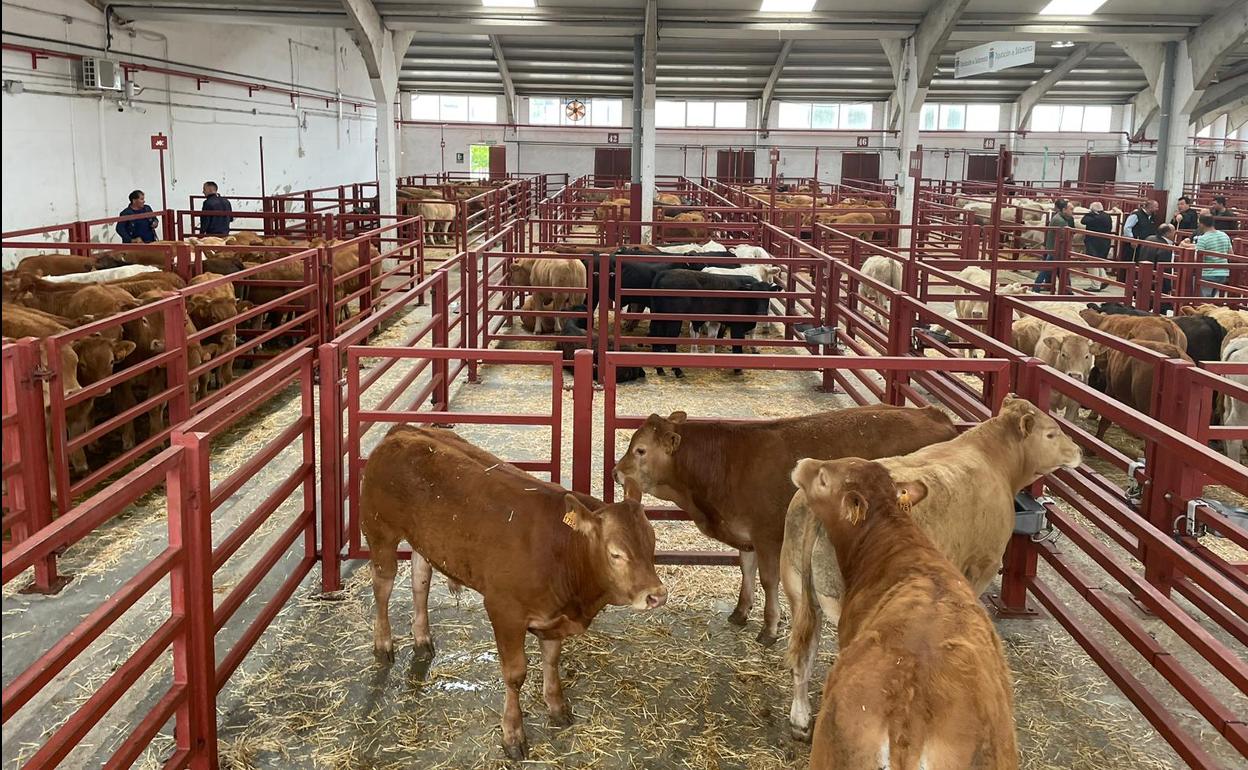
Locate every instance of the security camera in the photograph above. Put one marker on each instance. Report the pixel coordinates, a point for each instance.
(121, 107)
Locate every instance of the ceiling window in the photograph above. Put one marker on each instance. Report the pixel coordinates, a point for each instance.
(928, 117)
(606, 112)
(819, 115)
(544, 111)
(1071, 117)
(952, 117)
(691, 114)
(455, 108)
(983, 117)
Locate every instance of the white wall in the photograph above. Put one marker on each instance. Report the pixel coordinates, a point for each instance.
(70, 156)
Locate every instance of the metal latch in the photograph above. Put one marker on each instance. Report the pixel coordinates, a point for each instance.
(1135, 492)
(1188, 525)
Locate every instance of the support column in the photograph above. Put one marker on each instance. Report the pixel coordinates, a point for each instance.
(649, 68)
(1178, 95)
(387, 156)
(909, 105)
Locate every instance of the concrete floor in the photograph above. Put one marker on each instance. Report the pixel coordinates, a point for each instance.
(677, 688)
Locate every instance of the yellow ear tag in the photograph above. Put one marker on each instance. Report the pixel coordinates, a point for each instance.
(904, 501)
(569, 518)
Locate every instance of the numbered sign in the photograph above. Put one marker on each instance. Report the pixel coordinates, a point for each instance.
(990, 144)
(613, 138)
(864, 141)
(160, 142)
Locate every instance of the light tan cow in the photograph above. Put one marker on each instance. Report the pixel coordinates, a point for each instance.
(561, 277)
(967, 509)
(438, 220)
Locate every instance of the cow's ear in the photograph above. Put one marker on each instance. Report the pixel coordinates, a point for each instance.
(910, 493)
(677, 417)
(578, 517)
(1051, 342)
(245, 305)
(853, 506)
(670, 440)
(122, 349)
(1026, 423)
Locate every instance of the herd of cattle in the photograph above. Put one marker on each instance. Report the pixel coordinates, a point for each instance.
(882, 519)
(440, 205)
(560, 281)
(50, 294)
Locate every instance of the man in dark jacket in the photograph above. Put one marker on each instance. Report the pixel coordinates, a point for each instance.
(1185, 216)
(1223, 218)
(219, 223)
(1159, 255)
(137, 230)
(1140, 224)
(1097, 221)
(1063, 216)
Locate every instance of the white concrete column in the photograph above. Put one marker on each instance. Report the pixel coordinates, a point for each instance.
(910, 98)
(387, 156)
(1178, 96)
(647, 157)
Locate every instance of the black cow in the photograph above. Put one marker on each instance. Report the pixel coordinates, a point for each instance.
(634, 275)
(689, 280)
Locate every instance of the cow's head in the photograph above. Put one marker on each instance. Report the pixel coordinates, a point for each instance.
(522, 272)
(621, 548)
(1070, 354)
(98, 355)
(845, 494)
(1044, 446)
(650, 459)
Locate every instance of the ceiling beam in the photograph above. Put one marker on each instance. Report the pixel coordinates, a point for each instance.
(1211, 42)
(1220, 94)
(509, 88)
(932, 35)
(1238, 117)
(1228, 109)
(769, 89)
(1036, 91)
(370, 33)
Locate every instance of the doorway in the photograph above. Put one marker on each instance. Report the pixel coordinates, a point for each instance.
(487, 161)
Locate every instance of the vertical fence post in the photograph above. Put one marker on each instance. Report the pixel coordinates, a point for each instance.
(366, 278)
(475, 280)
(178, 369)
(190, 522)
(1021, 555)
(323, 276)
(331, 467)
(898, 346)
(33, 492)
(441, 339)
(582, 419)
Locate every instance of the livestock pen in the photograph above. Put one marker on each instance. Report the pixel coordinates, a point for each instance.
(293, 672)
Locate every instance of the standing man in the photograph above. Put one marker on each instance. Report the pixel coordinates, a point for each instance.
(1063, 216)
(137, 230)
(1141, 224)
(1215, 244)
(1185, 217)
(1097, 221)
(1160, 255)
(217, 223)
(1223, 218)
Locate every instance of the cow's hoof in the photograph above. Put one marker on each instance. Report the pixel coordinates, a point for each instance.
(561, 717)
(423, 650)
(766, 639)
(801, 734)
(384, 653)
(736, 371)
(679, 373)
(517, 751)
(738, 618)
(660, 371)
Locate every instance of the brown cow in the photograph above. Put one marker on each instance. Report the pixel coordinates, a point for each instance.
(1134, 327)
(439, 218)
(614, 208)
(921, 676)
(731, 477)
(1129, 379)
(691, 233)
(561, 276)
(545, 561)
(207, 309)
(967, 510)
(55, 264)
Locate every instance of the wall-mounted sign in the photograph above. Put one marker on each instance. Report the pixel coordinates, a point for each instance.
(160, 142)
(459, 157)
(613, 138)
(991, 57)
(864, 141)
(575, 110)
(774, 154)
(990, 144)
(916, 163)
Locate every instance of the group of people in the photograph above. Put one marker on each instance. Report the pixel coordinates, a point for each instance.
(1144, 224)
(215, 220)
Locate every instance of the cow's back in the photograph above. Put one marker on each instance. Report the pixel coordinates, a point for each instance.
(478, 524)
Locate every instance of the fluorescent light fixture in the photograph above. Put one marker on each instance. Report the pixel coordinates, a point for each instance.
(1062, 44)
(787, 6)
(1071, 7)
(507, 3)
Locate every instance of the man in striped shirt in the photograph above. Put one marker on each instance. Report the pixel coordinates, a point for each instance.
(1211, 244)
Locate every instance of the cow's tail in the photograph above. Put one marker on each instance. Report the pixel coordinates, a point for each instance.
(804, 603)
